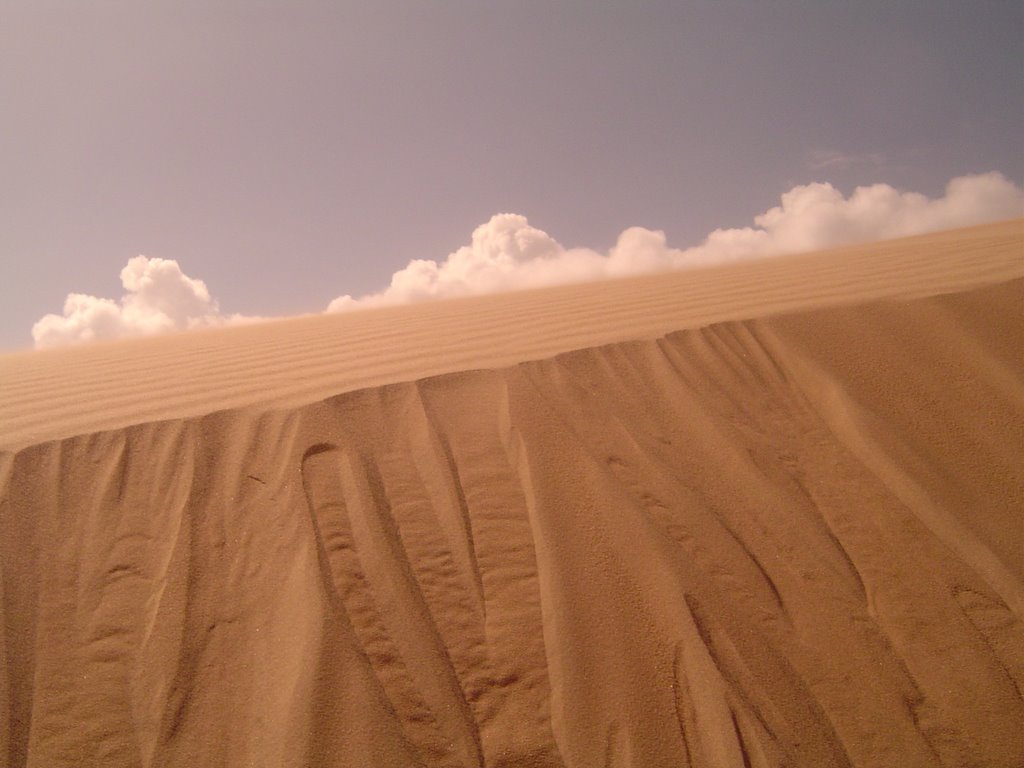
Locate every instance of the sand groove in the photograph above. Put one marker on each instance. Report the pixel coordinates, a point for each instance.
(790, 540)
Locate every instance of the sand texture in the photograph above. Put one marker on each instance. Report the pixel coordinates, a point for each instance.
(764, 515)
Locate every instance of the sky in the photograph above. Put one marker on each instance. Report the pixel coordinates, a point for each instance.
(276, 158)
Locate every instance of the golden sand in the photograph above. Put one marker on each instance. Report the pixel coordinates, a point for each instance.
(760, 515)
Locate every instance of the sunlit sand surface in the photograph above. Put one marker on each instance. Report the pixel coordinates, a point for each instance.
(759, 515)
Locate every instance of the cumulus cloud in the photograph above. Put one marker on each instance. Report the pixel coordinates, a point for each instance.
(817, 215)
(508, 253)
(158, 297)
(505, 253)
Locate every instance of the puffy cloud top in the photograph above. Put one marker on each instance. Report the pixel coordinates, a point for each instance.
(817, 215)
(507, 253)
(158, 297)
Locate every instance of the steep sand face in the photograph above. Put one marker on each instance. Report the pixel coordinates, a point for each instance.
(788, 540)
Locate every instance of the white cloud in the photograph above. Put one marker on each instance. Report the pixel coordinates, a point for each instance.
(817, 215)
(507, 253)
(504, 253)
(158, 297)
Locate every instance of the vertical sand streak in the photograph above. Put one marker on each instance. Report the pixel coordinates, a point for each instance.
(583, 635)
(372, 536)
(446, 486)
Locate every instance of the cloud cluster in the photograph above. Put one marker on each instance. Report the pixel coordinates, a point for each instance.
(503, 254)
(816, 216)
(158, 297)
(507, 253)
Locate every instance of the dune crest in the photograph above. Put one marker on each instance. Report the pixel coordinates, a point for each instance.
(58, 393)
(785, 538)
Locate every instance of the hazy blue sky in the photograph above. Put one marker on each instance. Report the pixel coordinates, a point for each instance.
(290, 152)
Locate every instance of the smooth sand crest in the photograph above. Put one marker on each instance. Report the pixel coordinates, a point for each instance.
(762, 515)
(64, 392)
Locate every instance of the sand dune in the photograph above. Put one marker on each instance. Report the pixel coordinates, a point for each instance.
(60, 393)
(762, 515)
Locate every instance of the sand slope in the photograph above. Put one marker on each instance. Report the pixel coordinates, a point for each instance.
(790, 539)
(65, 392)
